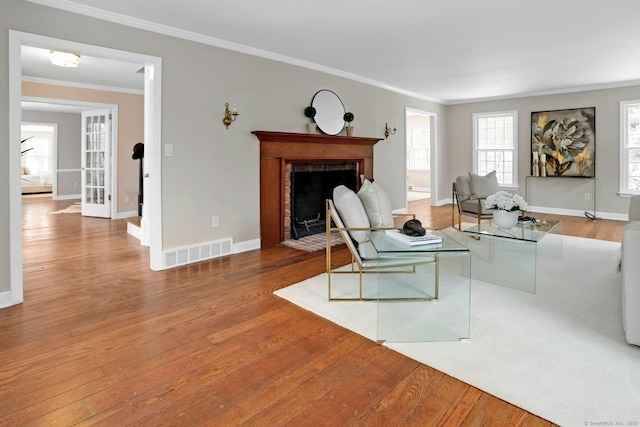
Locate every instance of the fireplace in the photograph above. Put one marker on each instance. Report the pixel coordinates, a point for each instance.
(310, 184)
(280, 150)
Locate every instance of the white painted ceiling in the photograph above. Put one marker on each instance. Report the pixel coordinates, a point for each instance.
(449, 50)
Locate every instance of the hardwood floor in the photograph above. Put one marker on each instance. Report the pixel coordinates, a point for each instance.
(102, 340)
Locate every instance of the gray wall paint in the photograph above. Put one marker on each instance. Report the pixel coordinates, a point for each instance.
(68, 149)
(557, 193)
(214, 171)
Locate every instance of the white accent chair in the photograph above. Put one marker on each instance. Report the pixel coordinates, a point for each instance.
(346, 214)
(630, 267)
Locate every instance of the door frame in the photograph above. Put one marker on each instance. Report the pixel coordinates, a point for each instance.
(433, 151)
(152, 209)
(85, 105)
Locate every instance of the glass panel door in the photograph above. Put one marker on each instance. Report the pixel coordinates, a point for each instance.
(96, 144)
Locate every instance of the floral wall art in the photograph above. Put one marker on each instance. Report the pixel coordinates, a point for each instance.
(563, 143)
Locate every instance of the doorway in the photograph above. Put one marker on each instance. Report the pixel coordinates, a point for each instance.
(38, 147)
(152, 213)
(420, 146)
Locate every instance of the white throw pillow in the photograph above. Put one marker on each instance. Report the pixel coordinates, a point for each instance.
(376, 204)
(484, 186)
(351, 212)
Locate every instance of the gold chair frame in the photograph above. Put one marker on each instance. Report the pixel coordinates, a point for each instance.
(457, 203)
(362, 266)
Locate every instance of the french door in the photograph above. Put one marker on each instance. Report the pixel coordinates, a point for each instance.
(96, 163)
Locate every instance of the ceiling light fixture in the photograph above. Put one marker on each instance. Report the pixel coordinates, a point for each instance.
(65, 59)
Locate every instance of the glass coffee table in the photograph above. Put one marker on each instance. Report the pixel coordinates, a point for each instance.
(430, 302)
(511, 257)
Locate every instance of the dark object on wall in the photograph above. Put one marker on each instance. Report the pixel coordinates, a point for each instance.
(563, 143)
(138, 154)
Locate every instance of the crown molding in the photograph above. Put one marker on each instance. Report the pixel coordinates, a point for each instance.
(142, 24)
(562, 91)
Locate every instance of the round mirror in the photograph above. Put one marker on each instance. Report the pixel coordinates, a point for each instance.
(329, 112)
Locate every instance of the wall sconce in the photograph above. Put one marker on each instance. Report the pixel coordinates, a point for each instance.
(229, 116)
(388, 131)
(64, 59)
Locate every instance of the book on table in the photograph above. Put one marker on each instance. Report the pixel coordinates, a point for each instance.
(427, 239)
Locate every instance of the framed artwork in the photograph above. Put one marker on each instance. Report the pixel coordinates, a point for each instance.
(563, 143)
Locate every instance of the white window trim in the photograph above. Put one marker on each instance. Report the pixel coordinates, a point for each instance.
(515, 185)
(623, 189)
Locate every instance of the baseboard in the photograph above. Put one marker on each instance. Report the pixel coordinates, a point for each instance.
(134, 231)
(246, 246)
(556, 211)
(123, 215)
(575, 212)
(6, 300)
(67, 197)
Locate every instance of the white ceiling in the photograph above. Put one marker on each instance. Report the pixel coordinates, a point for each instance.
(36, 64)
(449, 51)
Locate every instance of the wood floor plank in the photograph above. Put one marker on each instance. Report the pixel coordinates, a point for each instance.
(433, 407)
(476, 409)
(291, 404)
(102, 340)
(344, 405)
(402, 400)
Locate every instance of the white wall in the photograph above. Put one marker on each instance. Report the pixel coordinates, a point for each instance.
(564, 194)
(214, 171)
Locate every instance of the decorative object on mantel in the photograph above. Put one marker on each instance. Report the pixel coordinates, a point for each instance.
(348, 117)
(329, 112)
(388, 131)
(229, 116)
(311, 113)
(563, 143)
(506, 208)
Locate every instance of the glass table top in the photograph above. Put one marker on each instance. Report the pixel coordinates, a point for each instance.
(384, 244)
(529, 233)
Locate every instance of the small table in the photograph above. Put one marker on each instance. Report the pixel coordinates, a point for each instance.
(509, 256)
(404, 314)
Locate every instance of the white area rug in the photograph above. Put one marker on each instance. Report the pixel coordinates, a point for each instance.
(559, 353)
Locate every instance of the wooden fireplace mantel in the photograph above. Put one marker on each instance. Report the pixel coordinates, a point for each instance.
(277, 149)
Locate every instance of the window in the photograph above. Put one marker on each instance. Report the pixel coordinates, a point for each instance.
(37, 149)
(418, 157)
(630, 147)
(495, 144)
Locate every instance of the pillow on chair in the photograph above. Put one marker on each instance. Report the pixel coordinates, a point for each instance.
(351, 212)
(376, 204)
(483, 186)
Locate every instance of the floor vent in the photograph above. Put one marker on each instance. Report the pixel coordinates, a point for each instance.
(201, 252)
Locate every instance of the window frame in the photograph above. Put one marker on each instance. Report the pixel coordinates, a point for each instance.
(427, 148)
(623, 166)
(514, 172)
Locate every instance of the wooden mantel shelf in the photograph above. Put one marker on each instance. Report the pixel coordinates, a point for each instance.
(277, 149)
(313, 138)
